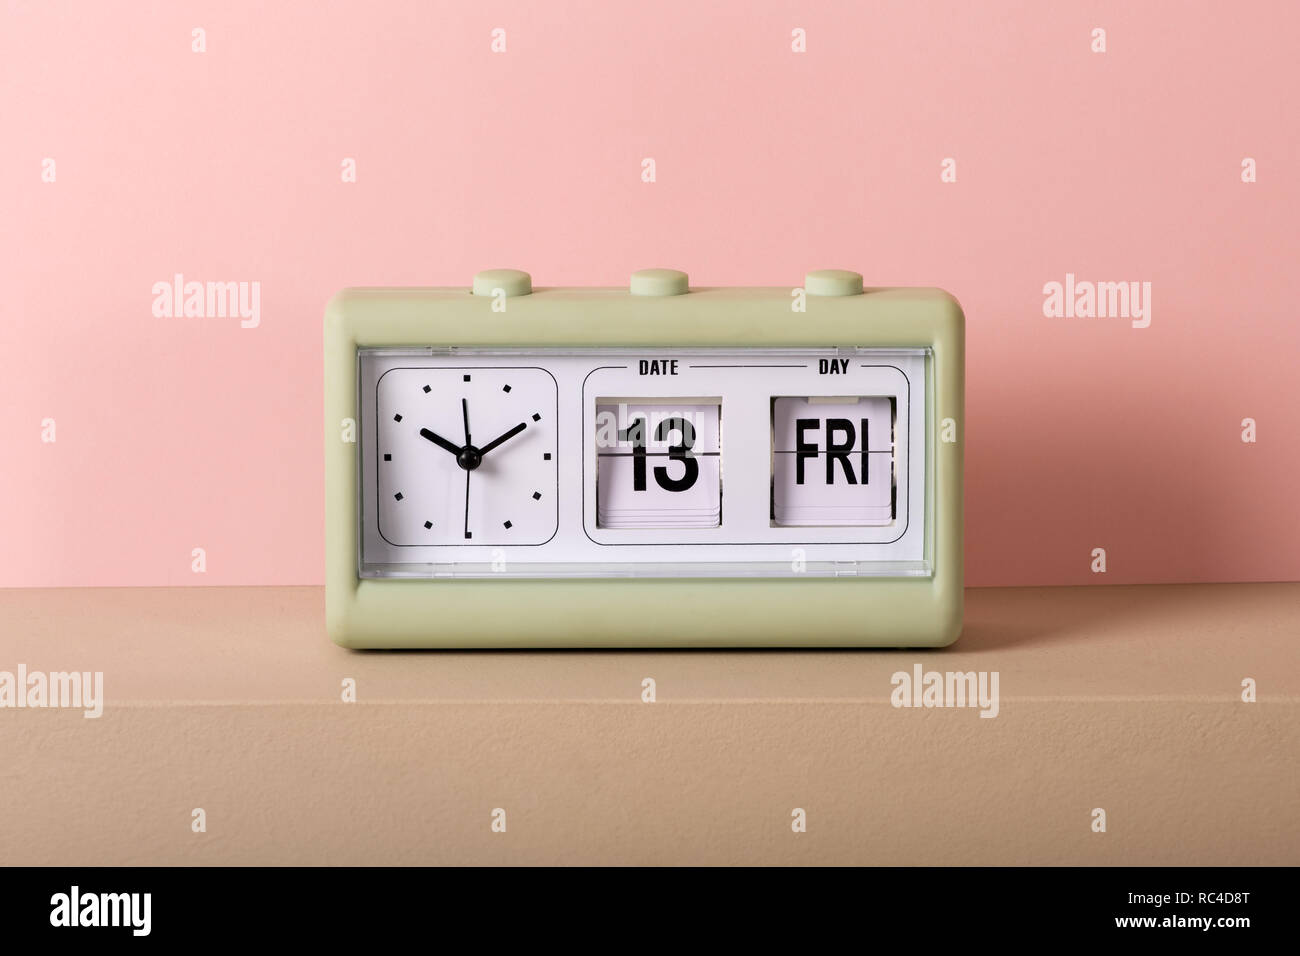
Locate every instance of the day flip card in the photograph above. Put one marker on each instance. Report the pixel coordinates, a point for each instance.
(832, 461)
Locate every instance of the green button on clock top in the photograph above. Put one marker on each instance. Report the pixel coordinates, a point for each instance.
(659, 282)
(833, 282)
(511, 282)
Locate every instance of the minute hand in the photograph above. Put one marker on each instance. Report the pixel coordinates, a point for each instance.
(503, 438)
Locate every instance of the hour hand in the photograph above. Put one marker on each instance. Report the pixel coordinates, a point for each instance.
(440, 441)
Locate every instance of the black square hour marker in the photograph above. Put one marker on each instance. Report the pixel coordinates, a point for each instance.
(547, 456)
(428, 388)
(505, 388)
(388, 458)
(397, 418)
(467, 379)
(398, 496)
(428, 524)
(507, 524)
(536, 417)
(537, 496)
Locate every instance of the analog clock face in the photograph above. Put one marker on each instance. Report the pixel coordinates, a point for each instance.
(586, 462)
(466, 456)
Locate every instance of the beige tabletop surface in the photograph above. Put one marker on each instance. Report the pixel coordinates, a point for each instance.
(1125, 699)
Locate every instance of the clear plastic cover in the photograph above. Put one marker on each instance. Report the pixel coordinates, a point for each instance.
(658, 463)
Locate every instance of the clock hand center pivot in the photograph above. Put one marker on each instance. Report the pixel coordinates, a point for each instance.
(469, 458)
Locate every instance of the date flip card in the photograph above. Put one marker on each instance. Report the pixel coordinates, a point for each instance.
(658, 465)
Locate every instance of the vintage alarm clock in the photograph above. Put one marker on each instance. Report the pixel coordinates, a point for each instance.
(657, 465)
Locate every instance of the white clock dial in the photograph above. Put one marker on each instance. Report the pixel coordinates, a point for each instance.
(466, 456)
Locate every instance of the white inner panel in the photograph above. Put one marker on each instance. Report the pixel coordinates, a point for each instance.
(723, 525)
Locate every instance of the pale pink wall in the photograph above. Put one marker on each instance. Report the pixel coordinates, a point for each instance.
(182, 433)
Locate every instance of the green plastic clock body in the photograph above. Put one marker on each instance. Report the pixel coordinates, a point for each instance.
(594, 612)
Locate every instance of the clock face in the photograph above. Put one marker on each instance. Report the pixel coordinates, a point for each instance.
(466, 456)
(614, 463)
